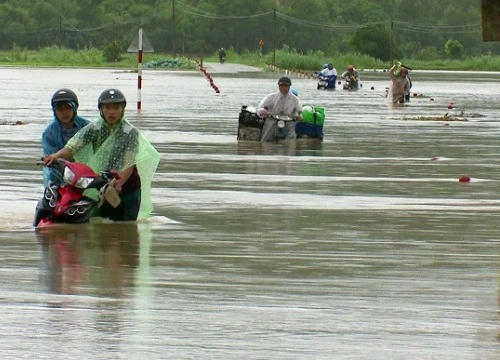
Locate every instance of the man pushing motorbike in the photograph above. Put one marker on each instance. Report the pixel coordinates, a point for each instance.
(281, 102)
(351, 76)
(329, 74)
(113, 143)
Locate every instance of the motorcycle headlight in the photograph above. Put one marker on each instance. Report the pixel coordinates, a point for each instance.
(82, 183)
(68, 176)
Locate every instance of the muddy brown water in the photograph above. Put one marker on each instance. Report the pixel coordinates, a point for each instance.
(365, 246)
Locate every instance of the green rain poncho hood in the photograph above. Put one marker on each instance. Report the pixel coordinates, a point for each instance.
(117, 149)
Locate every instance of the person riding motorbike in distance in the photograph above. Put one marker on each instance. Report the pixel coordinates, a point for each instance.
(351, 76)
(281, 102)
(113, 143)
(329, 73)
(65, 124)
(323, 67)
(222, 55)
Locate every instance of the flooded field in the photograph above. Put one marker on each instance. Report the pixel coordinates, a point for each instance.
(366, 246)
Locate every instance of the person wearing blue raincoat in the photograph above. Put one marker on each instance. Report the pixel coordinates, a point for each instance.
(65, 124)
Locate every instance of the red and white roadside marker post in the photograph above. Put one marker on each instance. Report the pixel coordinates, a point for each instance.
(139, 71)
(140, 45)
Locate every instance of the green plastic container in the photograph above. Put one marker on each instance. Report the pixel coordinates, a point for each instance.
(316, 116)
(397, 69)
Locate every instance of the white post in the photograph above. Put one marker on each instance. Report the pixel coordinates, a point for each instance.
(139, 71)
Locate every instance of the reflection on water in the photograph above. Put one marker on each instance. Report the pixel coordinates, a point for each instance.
(299, 147)
(363, 246)
(90, 260)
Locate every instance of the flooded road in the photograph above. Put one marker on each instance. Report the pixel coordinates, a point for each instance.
(366, 246)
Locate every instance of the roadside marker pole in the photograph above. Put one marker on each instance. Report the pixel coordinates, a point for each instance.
(139, 71)
(140, 44)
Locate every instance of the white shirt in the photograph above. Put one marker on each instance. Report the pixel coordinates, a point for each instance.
(281, 104)
(328, 72)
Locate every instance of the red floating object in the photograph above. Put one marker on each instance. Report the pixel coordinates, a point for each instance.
(450, 106)
(464, 179)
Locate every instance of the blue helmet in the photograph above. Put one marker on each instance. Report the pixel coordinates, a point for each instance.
(324, 66)
(294, 92)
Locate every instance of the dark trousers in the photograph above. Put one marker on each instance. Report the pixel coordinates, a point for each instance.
(126, 211)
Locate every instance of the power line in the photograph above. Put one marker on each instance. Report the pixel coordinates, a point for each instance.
(201, 13)
(338, 28)
(188, 9)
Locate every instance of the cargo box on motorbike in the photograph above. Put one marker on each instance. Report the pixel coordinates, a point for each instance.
(249, 124)
(308, 131)
(311, 126)
(316, 116)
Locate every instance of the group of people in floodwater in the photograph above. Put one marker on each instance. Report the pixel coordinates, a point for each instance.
(399, 91)
(329, 73)
(111, 142)
(285, 101)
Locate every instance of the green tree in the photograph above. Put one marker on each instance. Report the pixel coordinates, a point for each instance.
(454, 49)
(372, 40)
(202, 26)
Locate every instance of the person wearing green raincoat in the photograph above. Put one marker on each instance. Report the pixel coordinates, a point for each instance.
(113, 143)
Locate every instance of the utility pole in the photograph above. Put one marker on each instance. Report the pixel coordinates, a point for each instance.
(274, 37)
(391, 41)
(173, 32)
(60, 32)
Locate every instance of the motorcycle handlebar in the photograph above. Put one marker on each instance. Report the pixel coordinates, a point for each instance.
(42, 163)
(282, 117)
(53, 165)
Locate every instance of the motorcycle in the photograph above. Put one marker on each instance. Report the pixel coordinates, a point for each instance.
(66, 203)
(326, 82)
(222, 58)
(282, 125)
(350, 84)
(250, 125)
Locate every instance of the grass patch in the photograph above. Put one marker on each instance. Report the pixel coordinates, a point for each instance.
(283, 58)
(55, 56)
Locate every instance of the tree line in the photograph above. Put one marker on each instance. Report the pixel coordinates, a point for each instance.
(424, 29)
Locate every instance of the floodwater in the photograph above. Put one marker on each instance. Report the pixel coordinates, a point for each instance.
(366, 246)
